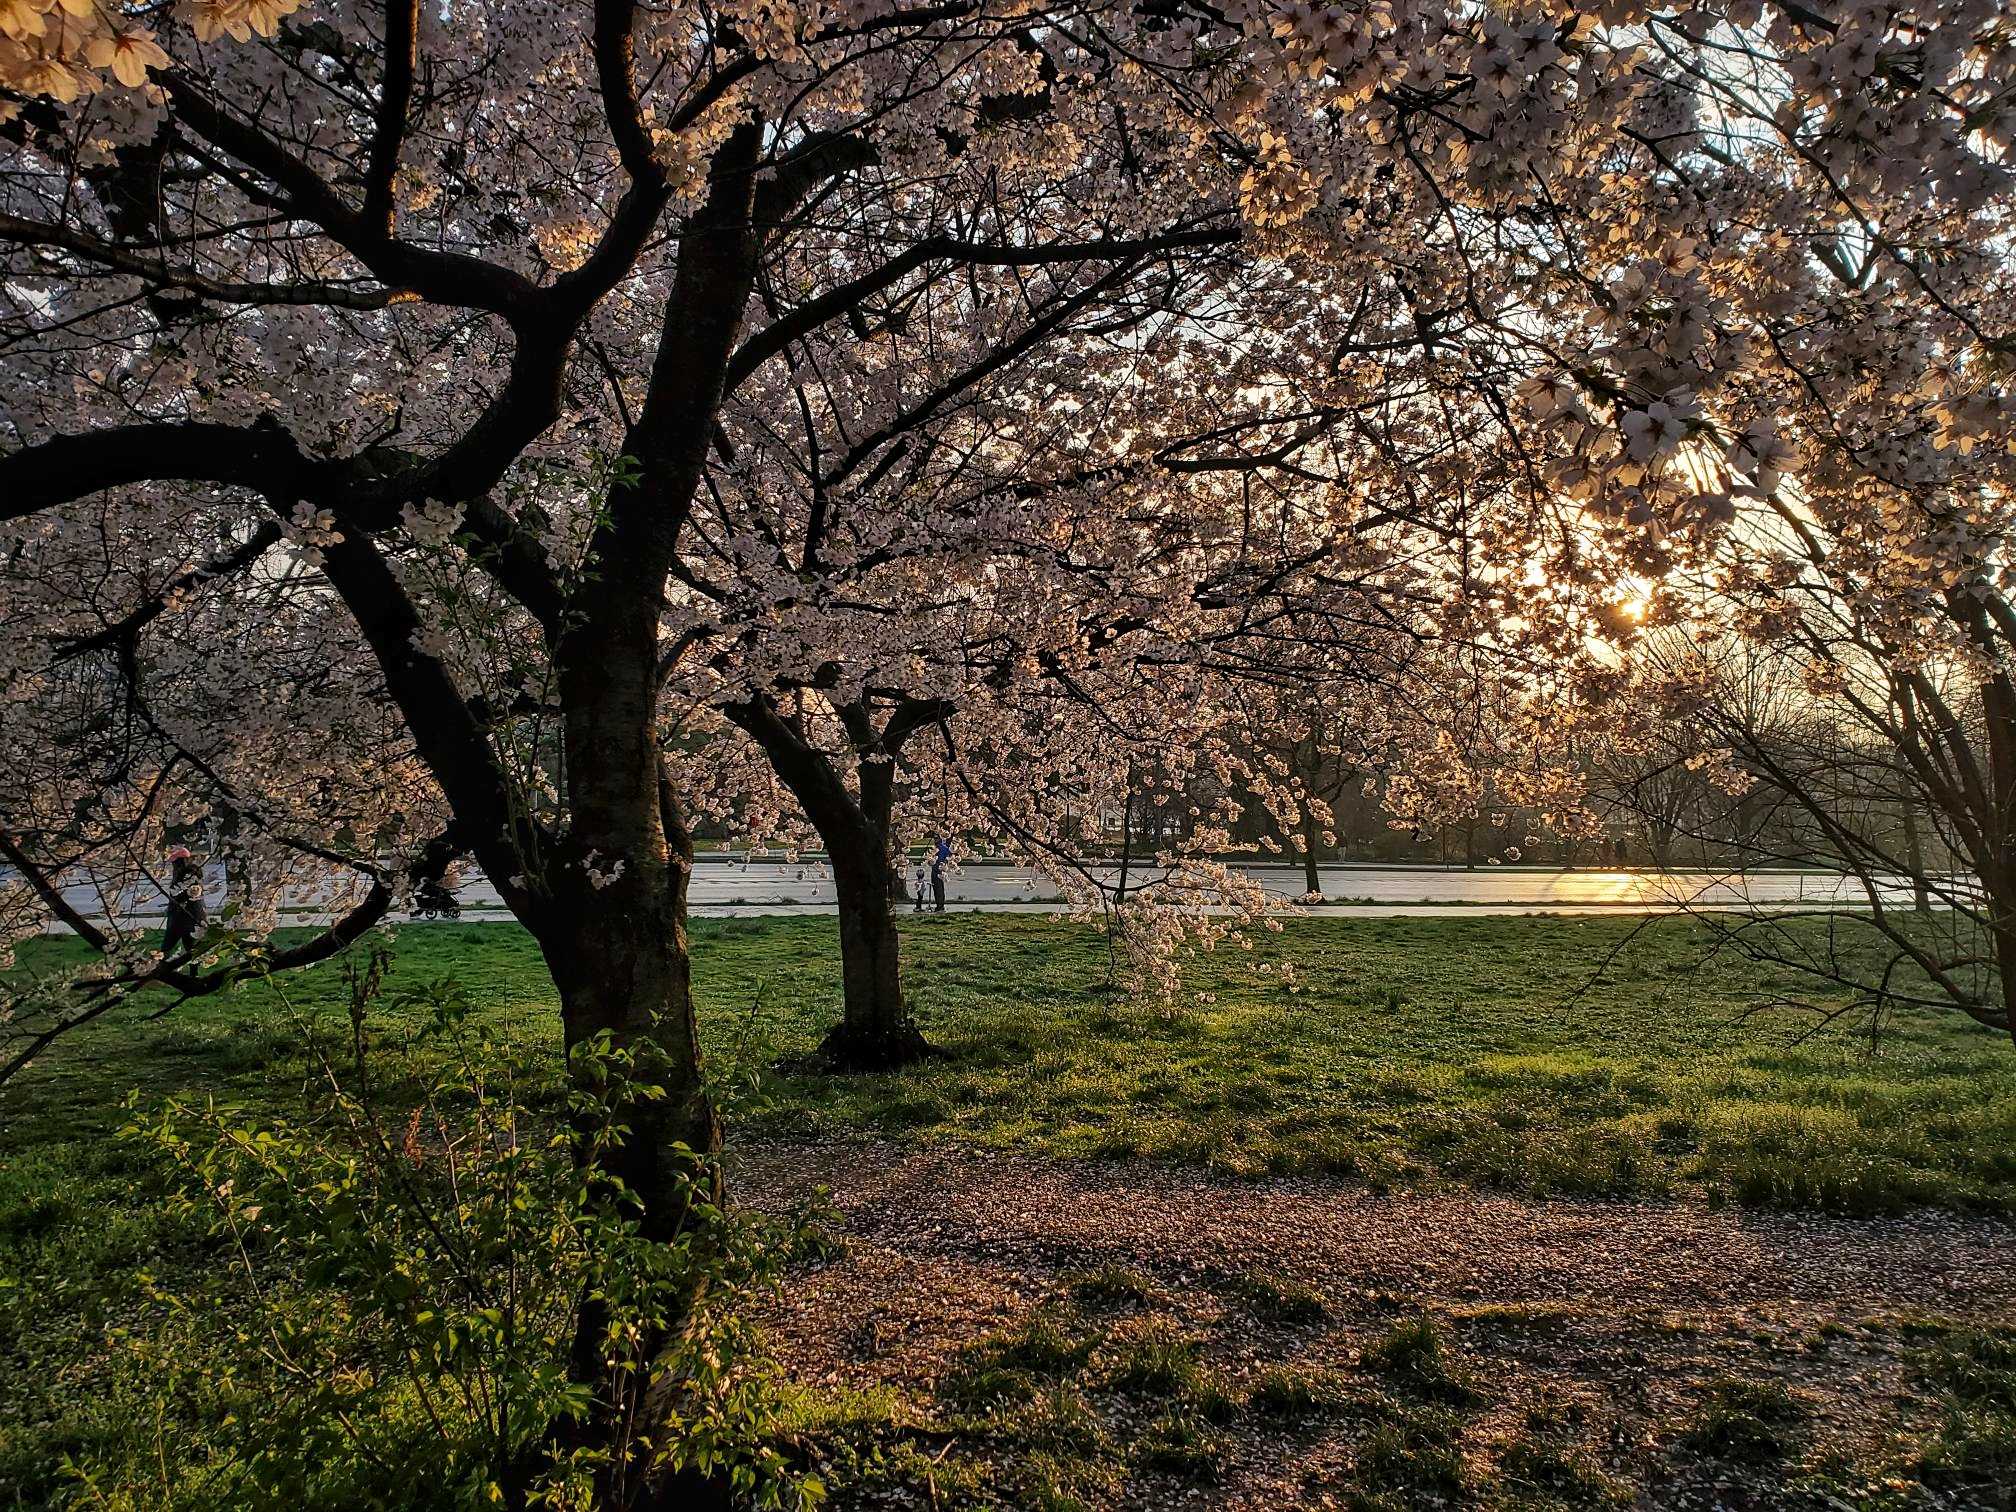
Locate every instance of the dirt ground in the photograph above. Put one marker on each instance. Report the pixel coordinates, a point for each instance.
(1614, 1317)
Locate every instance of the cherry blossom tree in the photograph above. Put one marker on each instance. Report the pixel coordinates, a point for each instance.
(369, 368)
(1062, 541)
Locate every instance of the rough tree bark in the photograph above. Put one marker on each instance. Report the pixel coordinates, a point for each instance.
(617, 944)
(618, 957)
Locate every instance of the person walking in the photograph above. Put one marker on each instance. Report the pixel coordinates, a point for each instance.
(186, 912)
(939, 861)
(917, 878)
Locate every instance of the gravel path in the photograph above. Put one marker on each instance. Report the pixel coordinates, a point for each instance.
(1627, 1308)
(949, 1204)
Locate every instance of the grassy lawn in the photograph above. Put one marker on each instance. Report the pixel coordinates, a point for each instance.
(1523, 1054)
(1513, 1054)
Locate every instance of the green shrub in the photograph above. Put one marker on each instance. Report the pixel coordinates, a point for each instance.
(1974, 1450)
(1041, 1344)
(404, 1273)
(1538, 1466)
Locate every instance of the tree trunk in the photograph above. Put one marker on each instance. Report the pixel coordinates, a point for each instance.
(623, 970)
(1311, 874)
(618, 957)
(1914, 858)
(1999, 707)
(612, 923)
(892, 864)
(875, 1029)
(1127, 832)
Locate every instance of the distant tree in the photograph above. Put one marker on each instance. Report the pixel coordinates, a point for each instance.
(1876, 768)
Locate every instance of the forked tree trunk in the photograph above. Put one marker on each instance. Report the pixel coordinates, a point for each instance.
(616, 952)
(613, 922)
(876, 1031)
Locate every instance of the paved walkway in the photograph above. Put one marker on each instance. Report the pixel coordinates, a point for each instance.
(724, 887)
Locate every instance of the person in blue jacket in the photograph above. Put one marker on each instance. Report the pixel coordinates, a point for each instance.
(939, 861)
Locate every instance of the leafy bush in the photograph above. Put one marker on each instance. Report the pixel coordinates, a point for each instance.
(408, 1269)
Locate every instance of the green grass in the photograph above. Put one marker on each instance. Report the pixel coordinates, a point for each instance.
(1416, 1360)
(1512, 1054)
(1749, 1422)
(1546, 1465)
(1287, 1391)
(1412, 1458)
(1973, 1371)
(1138, 1411)
(1501, 1053)
(1275, 1299)
(1158, 1360)
(1112, 1286)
